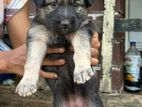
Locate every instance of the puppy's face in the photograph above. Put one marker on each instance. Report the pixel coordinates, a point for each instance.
(63, 16)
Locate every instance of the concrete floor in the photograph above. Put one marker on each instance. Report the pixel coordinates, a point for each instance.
(8, 98)
(122, 100)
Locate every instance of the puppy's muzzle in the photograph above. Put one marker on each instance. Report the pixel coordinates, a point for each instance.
(65, 24)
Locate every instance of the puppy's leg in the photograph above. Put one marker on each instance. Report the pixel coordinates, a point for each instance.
(37, 46)
(92, 92)
(82, 57)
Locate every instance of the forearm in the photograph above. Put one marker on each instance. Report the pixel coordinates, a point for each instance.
(18, 26)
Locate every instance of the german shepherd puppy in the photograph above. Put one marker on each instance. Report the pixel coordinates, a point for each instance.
(61, 23)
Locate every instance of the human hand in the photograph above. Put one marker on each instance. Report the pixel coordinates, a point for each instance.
(95, 45)
(13, 61)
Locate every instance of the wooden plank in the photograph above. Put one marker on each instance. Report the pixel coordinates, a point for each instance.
(123, 25)
(108, 26)
(128, 25)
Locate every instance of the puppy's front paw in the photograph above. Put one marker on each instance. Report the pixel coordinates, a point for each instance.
(82, 74)
(26, 87)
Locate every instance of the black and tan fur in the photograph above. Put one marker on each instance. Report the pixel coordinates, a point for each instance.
(61, 23)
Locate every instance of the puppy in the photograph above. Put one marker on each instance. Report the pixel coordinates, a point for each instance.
(59, 23)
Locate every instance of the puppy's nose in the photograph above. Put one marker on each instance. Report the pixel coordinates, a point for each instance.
(65, 24)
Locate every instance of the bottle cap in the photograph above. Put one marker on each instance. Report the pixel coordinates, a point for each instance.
(132, 43)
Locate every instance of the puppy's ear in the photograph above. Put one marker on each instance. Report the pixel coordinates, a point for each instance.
(88, 3)
(39, 3)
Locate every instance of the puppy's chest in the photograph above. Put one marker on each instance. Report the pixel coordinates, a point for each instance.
(59, 41)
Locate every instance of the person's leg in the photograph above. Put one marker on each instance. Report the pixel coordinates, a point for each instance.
(18, 26)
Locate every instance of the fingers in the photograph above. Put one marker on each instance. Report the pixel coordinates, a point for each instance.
(7, 67)
(94, 61)
(95, 41)
(94, 52)
(55, 50)
(58, 62)
(19, 69)
(95, 45)
(53, 63)
(48, 75)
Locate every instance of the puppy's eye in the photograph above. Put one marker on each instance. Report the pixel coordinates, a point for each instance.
(54, 4)
(76, 4)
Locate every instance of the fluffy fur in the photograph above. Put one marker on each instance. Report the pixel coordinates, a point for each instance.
(61, 23)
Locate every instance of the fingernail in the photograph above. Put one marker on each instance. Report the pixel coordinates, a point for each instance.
(61, 50)
(62, 61)
(55, 76)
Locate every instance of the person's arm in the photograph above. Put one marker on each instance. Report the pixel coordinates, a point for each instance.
(18, 26)
(13, 61)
